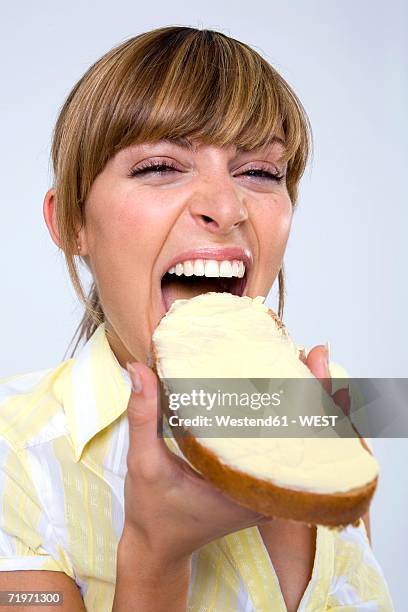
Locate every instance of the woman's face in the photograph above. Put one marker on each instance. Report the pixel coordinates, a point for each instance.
(196, 202)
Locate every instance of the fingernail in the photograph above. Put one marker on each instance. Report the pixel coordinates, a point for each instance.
(135, 378)
(149, 361)
(327, 347)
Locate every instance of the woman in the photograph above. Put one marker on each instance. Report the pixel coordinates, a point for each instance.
(177, 145)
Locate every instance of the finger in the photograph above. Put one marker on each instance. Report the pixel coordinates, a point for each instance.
(342, 398)
(317, 362)
(142, 412)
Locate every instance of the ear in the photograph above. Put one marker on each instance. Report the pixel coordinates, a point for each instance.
(50, 218)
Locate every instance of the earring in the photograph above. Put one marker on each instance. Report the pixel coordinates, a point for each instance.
(79, 248)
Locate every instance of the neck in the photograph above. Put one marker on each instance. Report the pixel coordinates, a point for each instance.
(122, 354)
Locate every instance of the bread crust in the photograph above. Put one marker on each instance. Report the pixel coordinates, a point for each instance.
(332, 510)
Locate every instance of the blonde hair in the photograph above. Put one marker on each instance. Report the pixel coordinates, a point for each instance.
(170, 82)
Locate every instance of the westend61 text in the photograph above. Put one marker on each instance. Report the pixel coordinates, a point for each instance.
(269, 421)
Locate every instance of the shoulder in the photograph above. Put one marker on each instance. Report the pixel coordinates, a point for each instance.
(31, 416)
(31, 409)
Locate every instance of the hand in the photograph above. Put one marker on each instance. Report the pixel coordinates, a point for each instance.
(170, 510)
(169, 507)
(317, 361)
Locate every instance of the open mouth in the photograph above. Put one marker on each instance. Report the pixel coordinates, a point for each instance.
(186, 287)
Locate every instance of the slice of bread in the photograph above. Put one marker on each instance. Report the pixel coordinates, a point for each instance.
(315, 480)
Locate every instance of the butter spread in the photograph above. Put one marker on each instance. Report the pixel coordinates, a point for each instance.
(220, 335)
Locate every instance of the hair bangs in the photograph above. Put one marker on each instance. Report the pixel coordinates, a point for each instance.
(213, 89)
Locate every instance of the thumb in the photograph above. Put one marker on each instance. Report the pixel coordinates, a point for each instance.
(318, 363)
(142, 410)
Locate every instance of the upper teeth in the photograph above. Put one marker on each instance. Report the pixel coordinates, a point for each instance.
(209, 267)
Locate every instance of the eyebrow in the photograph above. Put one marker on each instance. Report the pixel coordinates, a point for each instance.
(180, 141)
(185, 143)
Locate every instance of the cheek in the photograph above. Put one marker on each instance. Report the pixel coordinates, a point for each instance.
(273, 223)
(124, 224)
(125, 235)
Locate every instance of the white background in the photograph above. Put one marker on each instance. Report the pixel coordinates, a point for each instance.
(347, 255)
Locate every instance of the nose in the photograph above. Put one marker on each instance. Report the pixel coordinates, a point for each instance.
(218, 206)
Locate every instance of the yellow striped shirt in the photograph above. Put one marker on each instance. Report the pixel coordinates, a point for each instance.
(63, 447)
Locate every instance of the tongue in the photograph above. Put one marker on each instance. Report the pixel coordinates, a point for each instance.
(175, 289)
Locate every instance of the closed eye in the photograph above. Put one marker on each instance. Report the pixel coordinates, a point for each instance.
(152, 167)
(165, 168)
(265, 174)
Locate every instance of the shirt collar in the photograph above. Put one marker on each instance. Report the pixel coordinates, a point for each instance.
(96, 391)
